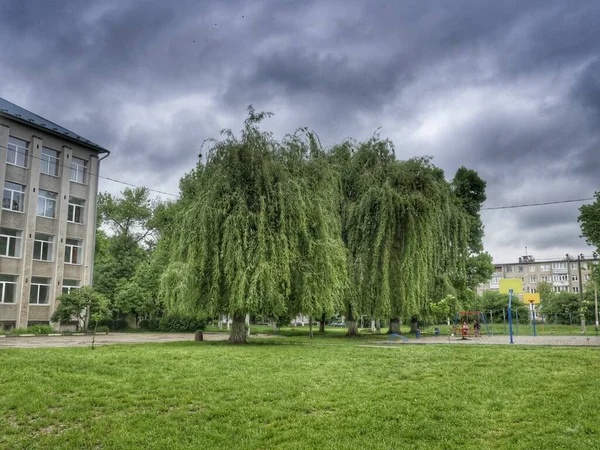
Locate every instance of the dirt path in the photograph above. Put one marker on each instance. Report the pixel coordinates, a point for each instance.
(102, 339)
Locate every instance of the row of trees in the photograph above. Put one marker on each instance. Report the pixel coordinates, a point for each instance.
(275, 228)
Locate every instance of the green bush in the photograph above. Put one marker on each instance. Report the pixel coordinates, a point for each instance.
(174, 323)
(181, 324)
(102, 329)
(152, 324)
(34, 329)
(112, 324)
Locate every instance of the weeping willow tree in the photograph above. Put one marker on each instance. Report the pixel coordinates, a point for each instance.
(405, 234)
(257, 230)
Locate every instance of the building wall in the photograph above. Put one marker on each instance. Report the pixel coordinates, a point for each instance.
(21, 312)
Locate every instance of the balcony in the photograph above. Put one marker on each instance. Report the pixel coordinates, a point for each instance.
(561, 270)
(560, 283)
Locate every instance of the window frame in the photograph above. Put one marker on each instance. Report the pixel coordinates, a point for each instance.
(3, 288)
(70, 287)
(39, 284)
(77, 168)
(49, 243)
(73, 207)
(18, 237)
(49, 161)
(12, 195)
(46, 200)
(16, 151)
(69, 248)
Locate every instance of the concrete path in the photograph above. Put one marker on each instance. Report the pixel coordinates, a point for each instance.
(102, 339)
(583, 341)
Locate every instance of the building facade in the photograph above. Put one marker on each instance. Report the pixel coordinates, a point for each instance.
(562, 274)
(48, 214)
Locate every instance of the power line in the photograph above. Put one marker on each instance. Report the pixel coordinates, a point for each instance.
(538, 204)
(105, 178)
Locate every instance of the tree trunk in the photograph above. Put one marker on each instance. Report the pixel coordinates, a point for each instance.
(378, 326)
(322, 324)
(394, 326)
(238, 329)
(414, 323)
(352, 324)
(310, 333)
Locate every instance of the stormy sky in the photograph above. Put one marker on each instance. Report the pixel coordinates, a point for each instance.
(510, 89)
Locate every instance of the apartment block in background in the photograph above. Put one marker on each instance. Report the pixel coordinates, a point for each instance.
(48, 214)
(562, 274)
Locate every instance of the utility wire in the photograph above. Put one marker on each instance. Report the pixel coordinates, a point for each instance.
(538, 204)
(489, 208)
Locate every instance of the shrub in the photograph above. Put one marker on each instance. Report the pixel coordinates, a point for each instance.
(112, 324)
(34, 329)
(102, 329)
(182, 324)
(152, 324)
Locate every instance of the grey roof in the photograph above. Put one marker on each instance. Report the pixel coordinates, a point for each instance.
(19, 114)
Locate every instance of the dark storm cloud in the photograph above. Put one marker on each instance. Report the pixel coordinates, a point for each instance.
(509, 88)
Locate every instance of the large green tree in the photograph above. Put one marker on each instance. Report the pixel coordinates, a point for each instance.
(405, 233)
(589, 218)
(469, 189)
(257, 231)
(123, 241)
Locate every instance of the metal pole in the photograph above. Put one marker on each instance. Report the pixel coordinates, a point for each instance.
(581, 312)
(492, 322)
(533, 319)
(504, 319)
(510, 294)
(517, 316)
(596, 301)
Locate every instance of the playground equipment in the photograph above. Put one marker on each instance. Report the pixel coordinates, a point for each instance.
(464, 323)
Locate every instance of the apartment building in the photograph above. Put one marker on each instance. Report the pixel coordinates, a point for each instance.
(562, 274)
(48, 214)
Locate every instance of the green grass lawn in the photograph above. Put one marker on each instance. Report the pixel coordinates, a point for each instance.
(294, 393)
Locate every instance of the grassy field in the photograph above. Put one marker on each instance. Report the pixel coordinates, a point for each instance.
(295, 393)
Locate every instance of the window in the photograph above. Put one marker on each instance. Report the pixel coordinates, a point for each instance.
(8, 288)
(509, 268)
(587, 277)
(575, 289)
(559, 265)
(573, 266)
(49, 163)
(75, 210)
(10, 243)
(69, 285)
(532, 279)
(40, 291)
(520, 268)
(545, 279)
(78, 167)
(561, 289)
(545, 267)
(42, 247)
(46, 204)
(16, 152)
(13, 197)
(575, 278)
(560, 278)
(73, 251)
(532, 268)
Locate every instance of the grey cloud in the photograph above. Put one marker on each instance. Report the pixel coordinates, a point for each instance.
(120, 72)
